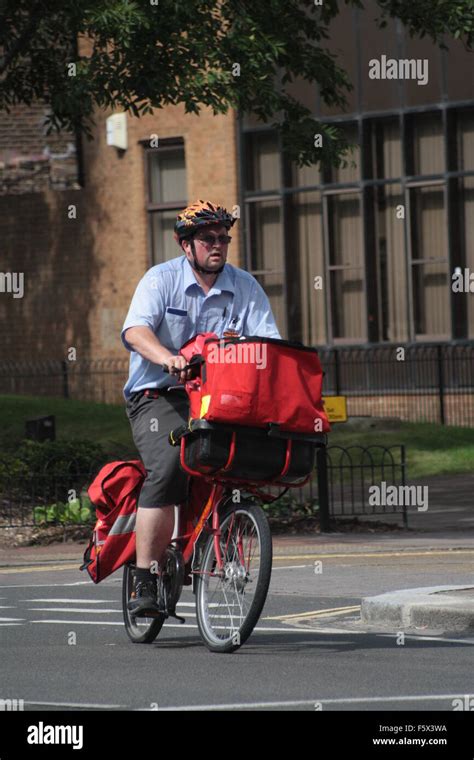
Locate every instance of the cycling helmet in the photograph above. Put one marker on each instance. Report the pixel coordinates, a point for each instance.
(195, 216)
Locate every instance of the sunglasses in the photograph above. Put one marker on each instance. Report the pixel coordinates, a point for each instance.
(210, 240)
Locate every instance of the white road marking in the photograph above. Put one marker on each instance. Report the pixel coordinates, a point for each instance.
(267, 629)
(289, 567)
(72, 609)
(75, 601)
(5, 624)
(166, 625)
(78, 622)
(75, 704)
(8, 620)
(318, 699)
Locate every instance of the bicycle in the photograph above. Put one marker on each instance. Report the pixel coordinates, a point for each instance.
(223, 548)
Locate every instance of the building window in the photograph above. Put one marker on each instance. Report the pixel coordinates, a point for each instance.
(266, 254)
(166, 191)
(465, 189)
(346, 267)
(265, 250)
(429, 262)
(385, 233)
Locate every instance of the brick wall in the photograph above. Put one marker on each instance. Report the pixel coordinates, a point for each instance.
(30, 161)
(54, 253)
(80, 273)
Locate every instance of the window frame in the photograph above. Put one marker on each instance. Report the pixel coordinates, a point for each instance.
(449, 178)
(165, 145)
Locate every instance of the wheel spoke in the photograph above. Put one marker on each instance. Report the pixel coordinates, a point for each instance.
(226, 598)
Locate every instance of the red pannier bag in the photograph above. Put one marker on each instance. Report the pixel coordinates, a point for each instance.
(257, 382)
(114, 493)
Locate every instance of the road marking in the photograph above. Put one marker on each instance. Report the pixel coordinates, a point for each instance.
(76, 601)
(47, 585)
(5, 624)
(313, 613)
(363, 555)
(290, 567)
(79, 622)
(173, 625)
(317, 700)
(75, 704)
(37, 568)
(267, 629)
(10, 620)
(406, 553)
(72, 609)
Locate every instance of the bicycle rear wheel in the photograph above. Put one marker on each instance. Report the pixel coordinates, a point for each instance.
(229, 602)
(141, 630)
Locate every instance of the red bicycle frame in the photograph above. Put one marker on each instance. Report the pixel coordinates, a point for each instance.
(187, 540)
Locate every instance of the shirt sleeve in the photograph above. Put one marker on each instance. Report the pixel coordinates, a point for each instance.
(260, 320)
(147, 307)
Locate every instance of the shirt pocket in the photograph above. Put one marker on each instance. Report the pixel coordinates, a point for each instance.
(175, 328)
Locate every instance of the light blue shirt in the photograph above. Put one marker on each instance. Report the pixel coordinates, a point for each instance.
(170, 301)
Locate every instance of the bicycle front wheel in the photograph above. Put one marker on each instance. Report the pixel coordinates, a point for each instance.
(229, 601)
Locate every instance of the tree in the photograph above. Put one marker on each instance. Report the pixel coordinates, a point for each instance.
(75, 55)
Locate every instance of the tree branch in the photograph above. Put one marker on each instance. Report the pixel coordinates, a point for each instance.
(23, 39)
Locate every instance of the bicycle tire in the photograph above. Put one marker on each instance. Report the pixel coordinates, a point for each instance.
(237, 637)
(149, 628)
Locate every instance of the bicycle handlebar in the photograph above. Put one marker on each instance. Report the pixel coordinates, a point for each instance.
(194, 368)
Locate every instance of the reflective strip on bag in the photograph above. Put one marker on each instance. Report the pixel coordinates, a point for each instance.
(123, 524)
(205, 401)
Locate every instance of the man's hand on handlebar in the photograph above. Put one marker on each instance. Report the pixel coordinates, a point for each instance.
(175, 366)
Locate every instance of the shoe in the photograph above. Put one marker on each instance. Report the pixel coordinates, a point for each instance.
(143, 600)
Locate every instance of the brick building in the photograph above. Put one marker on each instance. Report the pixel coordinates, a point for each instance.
(83, 220)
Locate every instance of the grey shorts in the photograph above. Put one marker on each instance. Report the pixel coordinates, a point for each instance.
(151, 421)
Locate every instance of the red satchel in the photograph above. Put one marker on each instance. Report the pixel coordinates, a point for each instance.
(114, 493)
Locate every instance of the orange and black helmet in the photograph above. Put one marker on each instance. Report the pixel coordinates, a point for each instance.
(200, 214)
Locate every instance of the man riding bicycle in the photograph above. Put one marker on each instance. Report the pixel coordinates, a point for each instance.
(195, 293)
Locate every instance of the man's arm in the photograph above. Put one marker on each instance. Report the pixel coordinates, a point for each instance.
(142, 340)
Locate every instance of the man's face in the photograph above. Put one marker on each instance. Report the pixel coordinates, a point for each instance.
(210, 254)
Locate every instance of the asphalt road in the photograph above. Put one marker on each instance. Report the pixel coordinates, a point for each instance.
(308, 651)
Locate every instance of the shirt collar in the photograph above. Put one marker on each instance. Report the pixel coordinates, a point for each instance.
(225, 280)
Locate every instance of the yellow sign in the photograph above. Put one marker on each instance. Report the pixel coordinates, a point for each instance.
(335, 408)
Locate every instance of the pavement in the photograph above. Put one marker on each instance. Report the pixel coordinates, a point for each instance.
(447, 525)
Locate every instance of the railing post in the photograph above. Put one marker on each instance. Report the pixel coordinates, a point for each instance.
(441, 385)
(403, 464)
(65, 379)
(323, 490)
(337, 379)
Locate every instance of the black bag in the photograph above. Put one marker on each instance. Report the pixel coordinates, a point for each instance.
(248, 454)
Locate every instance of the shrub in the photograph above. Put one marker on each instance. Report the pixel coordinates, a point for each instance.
(76, 511)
